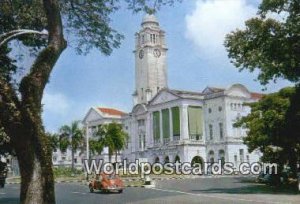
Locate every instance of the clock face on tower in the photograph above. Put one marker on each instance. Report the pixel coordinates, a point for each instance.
(156, 52)
(141, 54)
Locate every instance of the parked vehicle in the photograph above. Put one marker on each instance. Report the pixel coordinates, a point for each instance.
(106, 183)
(3, 173)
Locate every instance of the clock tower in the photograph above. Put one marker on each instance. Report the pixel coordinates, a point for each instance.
(150, 60)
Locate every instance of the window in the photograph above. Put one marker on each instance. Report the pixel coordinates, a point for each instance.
(221, 130)
(141, 122)
(154, 40)
(140, 141)
(209, 110)
(166, 123)
(248, 159)
(235, 160)
(143, 39)
(195, 121)
(127, 142)
(210, 131)
(241, 155)
(176, 122)
(220, 108)
(156, 126)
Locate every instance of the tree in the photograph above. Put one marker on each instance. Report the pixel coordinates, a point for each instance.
(271, 43)
(71, 136)
(20, 104)
(112, 136)
(118, 137)
(53, 141)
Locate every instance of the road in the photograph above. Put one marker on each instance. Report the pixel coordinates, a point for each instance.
(202, 190)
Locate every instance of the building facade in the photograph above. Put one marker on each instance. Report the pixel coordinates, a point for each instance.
(173, 125)
(167, 125)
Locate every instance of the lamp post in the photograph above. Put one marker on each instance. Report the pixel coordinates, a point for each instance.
(12, 34)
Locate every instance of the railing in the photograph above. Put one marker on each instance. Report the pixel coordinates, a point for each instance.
(195, 137)
(176, 138)
(166, 140)
(156, 142)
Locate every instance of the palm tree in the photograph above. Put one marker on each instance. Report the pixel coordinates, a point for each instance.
(75, 137)
(53, 141)
(112, 136)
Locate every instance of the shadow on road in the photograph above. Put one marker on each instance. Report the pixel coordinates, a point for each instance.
(10, 200)
(252, 188)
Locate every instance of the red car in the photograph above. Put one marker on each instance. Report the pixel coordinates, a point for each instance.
(106, 183)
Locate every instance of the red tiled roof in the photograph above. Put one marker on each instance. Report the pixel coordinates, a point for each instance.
(256, 95)
(111, 111)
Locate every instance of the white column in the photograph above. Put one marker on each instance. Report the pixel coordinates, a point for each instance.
(184, 129)
(161, 127)
(171, 124)
(149, 134)
(87, 141)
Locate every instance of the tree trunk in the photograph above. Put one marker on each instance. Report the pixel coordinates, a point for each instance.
(37, 184)
(72, 160)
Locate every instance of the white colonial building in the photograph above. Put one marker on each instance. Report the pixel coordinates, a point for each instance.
(171, 125)
(95, 117)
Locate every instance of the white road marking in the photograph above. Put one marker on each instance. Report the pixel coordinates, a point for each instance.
(2, 193)
(219, 197)
(79, 193)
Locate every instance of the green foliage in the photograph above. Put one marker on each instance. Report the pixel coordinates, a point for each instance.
(273, 126)
(96, 146)
(71, 136)
(111, 136)
(53, 141)
(5, 146)
(66, 172)
(270, 45)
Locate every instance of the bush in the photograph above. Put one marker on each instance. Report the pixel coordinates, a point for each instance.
(66, 171)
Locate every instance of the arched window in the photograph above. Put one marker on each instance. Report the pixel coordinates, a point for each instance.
(167, 159)
(197, 160)
(177, 159)
(222, 156)
(210, 131)
(211, 156)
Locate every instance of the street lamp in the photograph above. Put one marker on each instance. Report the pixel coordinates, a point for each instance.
(11, 34)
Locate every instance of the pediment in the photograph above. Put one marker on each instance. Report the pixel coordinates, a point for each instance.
(238, 90)
(92, 115)
(163, 97)
(139, 108)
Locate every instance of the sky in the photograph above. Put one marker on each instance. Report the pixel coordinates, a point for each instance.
(195, 31)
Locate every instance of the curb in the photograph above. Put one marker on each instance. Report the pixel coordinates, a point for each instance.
(139, 179)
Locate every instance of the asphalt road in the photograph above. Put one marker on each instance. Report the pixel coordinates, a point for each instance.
(202, 190)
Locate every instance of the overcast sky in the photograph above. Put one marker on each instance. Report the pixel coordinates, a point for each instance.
(195, 31)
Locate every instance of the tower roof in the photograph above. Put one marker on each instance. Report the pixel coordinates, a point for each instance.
(149, 18)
